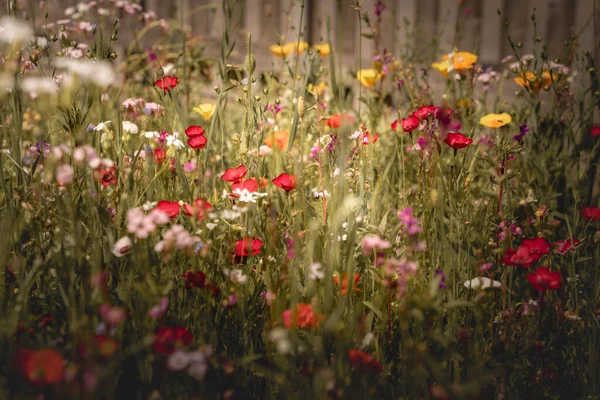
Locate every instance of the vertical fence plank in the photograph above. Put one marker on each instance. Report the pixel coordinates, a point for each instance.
(290, 19)
(491, 31)
(447, 15)
(584, 24)
(253, 17)
(321, 11)
(541, 8)
(427, 21)
(561, 15)
(406, 15)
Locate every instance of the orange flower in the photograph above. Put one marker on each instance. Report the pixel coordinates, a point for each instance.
(336, 279)
(41, 367)
(280, 138)
(301, 316)
(534, 82)
(455, 61)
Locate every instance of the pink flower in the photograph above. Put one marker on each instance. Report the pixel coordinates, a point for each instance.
(159, 310)
(112, 315)
(64, 174)
(373, 242)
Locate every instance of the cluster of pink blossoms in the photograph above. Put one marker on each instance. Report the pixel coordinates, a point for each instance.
(142, 224)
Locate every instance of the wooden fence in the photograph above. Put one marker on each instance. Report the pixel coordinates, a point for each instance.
(483, 30)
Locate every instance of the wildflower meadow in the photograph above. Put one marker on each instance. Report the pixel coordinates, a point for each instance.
(193, 219)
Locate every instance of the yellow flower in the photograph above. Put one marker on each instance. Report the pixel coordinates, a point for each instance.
(495, 120)
(530, 81)
(368, 77)
(318, 88)
(280, 51)
(286, 49)
(324, 49)
(455, 61)
(441, 67)
(205, 110)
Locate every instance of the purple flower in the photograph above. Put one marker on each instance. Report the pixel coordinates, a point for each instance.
(439, 272)
(522, 131)
(379, 7)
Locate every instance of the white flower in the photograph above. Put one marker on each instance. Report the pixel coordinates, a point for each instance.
(336, 172)
(38, 84)
(169, 68)
(315, 272)
(122, 247)
(237, 277)
(280, 338)
(130, 127)
(178, 360)
(101, 126)
(247, 196)
(229, 214)
(482, 282)
(151, 134)
(367, 339)
(41, 41)
(98, 73)
(211, 226)
(197, 370)
(13, 30)
(316, 194)
(174, 141)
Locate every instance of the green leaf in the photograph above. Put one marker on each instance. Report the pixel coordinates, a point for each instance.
(375, 310)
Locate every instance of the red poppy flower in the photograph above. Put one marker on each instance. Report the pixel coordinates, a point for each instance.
(167, 83)
(235, 174)
(41, 367)
(425, 112)
(106, 176)
(335, 121)
(595, 131)
(336, 279)
(167, 340)
(160, 155)
(457, 140)
(591, 213)
(248, 245)
(562, 247)
(248, 184)
(538, 247)
(285, 181)
(410, 124)
(199, 209)
(171, 208)
(544, 279)
(443, 113)
(194, 279)
(364, 362)
(196, 139)
(520, 258)
(301, 316)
